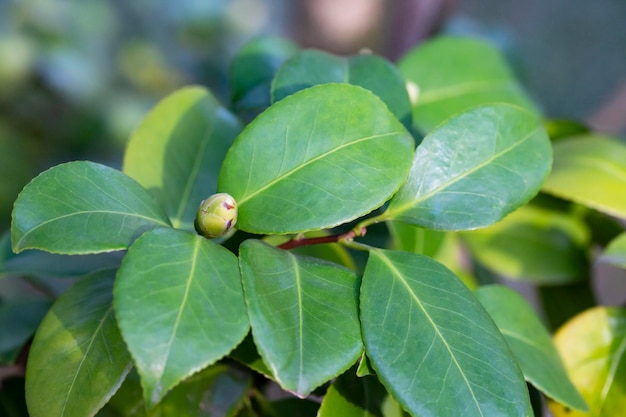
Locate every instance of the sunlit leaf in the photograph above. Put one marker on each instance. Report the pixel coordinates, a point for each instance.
(82, 207)
(179, 304)
(177, 151)
(450, 75)
(615, 253)
(474, 169)
(531, 344)
(318, 158)
(432, 344)
(78, 359)
(593, 346)
(303, 313)
(590, 170)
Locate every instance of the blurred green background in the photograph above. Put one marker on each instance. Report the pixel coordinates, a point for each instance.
(77, 76)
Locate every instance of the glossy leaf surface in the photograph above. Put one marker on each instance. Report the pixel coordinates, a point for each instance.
(82, 207)
(78, 359)
(531, 344)
(177, 150)
(590, 170)
(303, 313)
(534, 244)
(474, 169)
(615, 253)
(179, 304)
(311, 67)
(253, 68)
(593, 346)
(431, 342)
(318, 158)
(451, 75)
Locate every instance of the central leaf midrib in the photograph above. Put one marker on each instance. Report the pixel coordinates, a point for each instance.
(281, 177)
(392, 212)
(397, 273)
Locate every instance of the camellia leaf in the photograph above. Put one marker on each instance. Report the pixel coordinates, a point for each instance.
(179, 304)
(432, 344)
(311, 67)
(450, 75)
(78, 359)
(253, 68)
(593, 347)
(474, 169)
(590, 170)
(82, 207)
(19, 318)
(318, 158)
(535, 244)
(531, 343)
(615, 253)
(177, 151)
(303, 313)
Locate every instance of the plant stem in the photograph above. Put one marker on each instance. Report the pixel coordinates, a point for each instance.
(299, 241)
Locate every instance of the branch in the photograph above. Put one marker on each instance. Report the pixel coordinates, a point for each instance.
(297, 242)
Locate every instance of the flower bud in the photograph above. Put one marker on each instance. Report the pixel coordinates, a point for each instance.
(216, 215)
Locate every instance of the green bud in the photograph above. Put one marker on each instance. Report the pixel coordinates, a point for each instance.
(216, 215)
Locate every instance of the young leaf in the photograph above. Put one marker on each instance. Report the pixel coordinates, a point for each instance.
(474, 169)
(78, 359)
(82, 207)
(590, 170)
(177, 151)
(318, 158)
(179, 304)
(452, 75)
(615, 252)
(432, 344)
(303, 313)
(311, 67)
(531, 344)
(534, 244)
(593, 347)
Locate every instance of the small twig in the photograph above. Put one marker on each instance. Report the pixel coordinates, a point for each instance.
(297, 242)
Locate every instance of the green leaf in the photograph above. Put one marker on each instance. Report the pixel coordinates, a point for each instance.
(248, 354)
(432, 344)
(615, 253)
(560, 303)
(449, 75)
(531, 344)
(318, 158)
(592, 346)
(590, 170)
(409, 238)
(303, 313)
(19, 318)
(311, 67)
(534, 244)
(474, 169)
(179, 304)
(82, 207)
(78, 359)
(253, 68)
(215, 392)
(288, 407)
(350, 396)
(177, 151)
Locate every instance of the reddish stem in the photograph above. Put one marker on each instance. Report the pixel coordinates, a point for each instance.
(294, 243)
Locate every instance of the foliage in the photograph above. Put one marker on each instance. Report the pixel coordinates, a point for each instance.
(387, 323)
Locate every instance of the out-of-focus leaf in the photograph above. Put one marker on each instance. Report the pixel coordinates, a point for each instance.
(560, 129)
(318, 158)
(248, 354)
(593, 347)
(303, 313)
(534, 244)
(82, 207)
(19, 318)
(351, 396)
(590, 170)
(474, 169)
(615, 253)
(78, 359)
(179, 304)
(562, 302)
(432, 344)
(450, 75)
(531, 344)
(177, 151)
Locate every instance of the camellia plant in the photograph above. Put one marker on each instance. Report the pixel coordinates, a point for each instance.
(313, 249)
